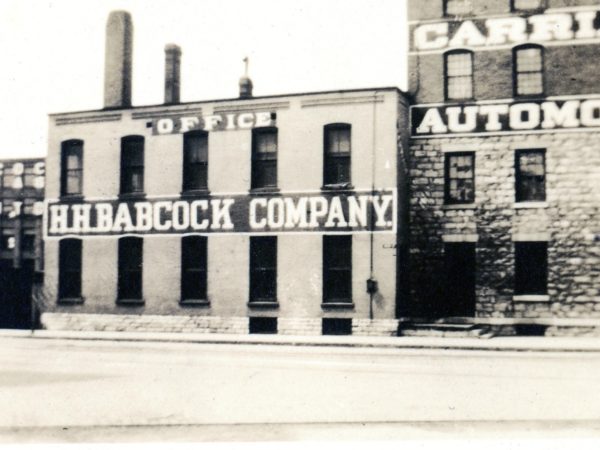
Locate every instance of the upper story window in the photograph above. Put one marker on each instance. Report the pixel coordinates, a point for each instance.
(71, 168)
(459, 74)
(264, 158)
(132, 165)
(528, 70)
(337, 150)
(530, 175)
(459, 180)
(195, 161)
(458, 7)
(527, 5)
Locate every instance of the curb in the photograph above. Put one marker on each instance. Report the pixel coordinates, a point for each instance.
(513, 344)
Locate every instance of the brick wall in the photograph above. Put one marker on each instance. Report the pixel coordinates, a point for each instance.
(570, 220)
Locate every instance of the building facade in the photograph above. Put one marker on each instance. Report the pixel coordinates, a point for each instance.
(21, 249)
(253, 214)
(505, 163)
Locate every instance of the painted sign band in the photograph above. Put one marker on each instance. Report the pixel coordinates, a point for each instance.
(504, 117)
(346, 211)
(549, 27)
(214, 122)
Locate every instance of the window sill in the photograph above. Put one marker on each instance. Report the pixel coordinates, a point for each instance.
(133, 196)
(338, 187)
(459, 206)
(194, 302)
(71, 198)
(530, 205)
(130, 301)
(531, 298)
(263, 304)
(70, 301)
(337, 305)
(195, 193)
(265, 191)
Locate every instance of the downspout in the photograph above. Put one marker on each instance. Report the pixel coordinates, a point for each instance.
(372, 222)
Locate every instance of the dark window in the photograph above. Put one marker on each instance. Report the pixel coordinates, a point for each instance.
(263, 269)
(193, 268)
(459, 272)
(530, 175)
(132, 165)
(459, 75)
(531, 268)
(528, 70)
(195, 161)
(130, 268)
(457, 7)
(459, 183)
(337, 269)
(69, 278)
(525, 5)
(264, 158)
(262, 325)
(337, 154)
(336, 326)
(71, 173)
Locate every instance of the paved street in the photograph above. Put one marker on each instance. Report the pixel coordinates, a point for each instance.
(197, 391)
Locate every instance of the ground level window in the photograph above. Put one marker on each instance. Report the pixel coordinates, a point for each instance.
(337, 269)
(531, 268)
(334, 326)
(193, 268)
(262, 325)
(263, 269)
(459, 278)
(530, 175)
(69, 278)
(130, 269)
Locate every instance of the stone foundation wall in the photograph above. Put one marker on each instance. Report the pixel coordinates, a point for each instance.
(201, 324)
(569, 221)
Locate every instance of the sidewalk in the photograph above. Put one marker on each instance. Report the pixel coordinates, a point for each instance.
(520, 344)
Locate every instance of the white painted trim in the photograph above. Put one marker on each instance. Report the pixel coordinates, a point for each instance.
(530, 205)
(507, 100)
(532, 144)
(506, 133)
(460, 237)
(460, 206)
(531, 298)
(542, 236)
(507, 46)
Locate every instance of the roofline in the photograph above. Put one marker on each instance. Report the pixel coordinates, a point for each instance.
(295, 94)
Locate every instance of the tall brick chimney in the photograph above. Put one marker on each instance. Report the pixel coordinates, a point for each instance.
(172, 73)
(117, 61)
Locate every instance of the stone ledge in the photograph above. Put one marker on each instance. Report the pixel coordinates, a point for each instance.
(530, 205)
(531, 298)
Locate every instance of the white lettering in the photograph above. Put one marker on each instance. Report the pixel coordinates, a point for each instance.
(467, 35)
(143, 216)
(246, 120)
(254, 203)
(380, 209)
(181, 215)
(296, 215)
(493, 113)
(263, 119)
(585, 25)
(104, 213)
(59, 218)
(195, 207)
(188, 123)
(431, 36)
(357, 211)
(81, 218)
(122, 220)
(590, 113)
(318, 209)
(506, 29)
(210, 122)
(164, 126)
(524, 116)
(551, 26)
(336, 214)
(159, 225)
(560, 117)
(432, 123)
(470, 122)
(221, 214)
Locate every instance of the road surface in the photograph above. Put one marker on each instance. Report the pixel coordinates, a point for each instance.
(58, 390)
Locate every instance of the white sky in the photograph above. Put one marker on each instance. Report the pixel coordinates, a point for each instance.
(53, 53)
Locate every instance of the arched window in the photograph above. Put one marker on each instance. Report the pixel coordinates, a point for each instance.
(528, 70)
(337, 153)
(71, 167)
(458, 7)
(132, 165)
(458, 69)
(195, 161)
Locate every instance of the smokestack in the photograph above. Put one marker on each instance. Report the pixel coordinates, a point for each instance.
(245, 82)
(172, 73)
(117, 61)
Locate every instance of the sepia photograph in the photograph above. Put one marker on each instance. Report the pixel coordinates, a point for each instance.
(266, 224)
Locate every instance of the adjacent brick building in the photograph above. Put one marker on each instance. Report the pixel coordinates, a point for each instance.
(21, 255)
(505, 163)
(252, 214)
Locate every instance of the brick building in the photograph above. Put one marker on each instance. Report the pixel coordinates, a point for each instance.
(21, 256)
(505, 163)
(254, 214)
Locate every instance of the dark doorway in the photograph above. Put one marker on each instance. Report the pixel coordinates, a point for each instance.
(15, 295)
(458, 299)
